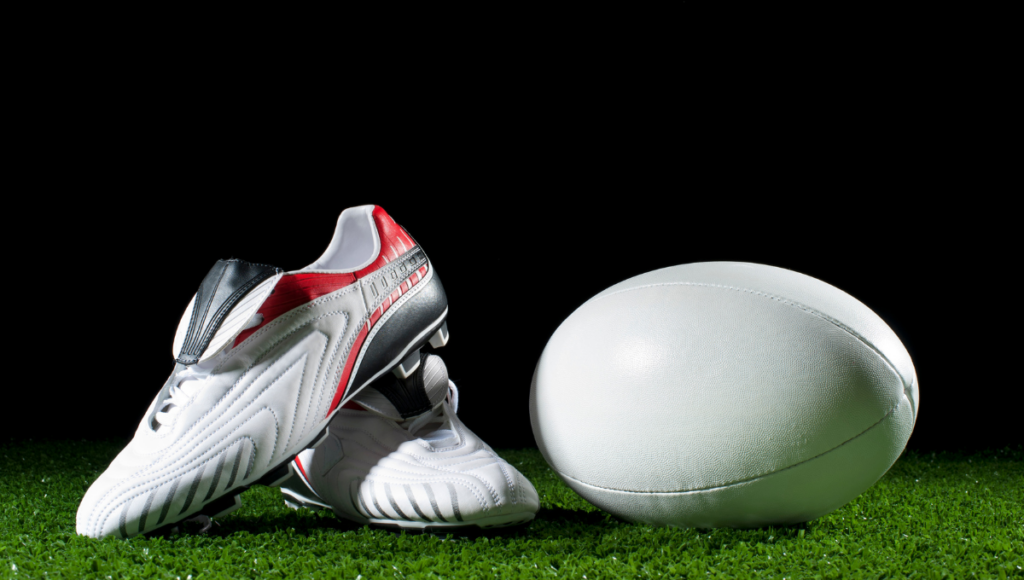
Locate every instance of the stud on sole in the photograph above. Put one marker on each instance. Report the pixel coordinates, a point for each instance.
(409, 364)
(440, 338)
(223, 506)
(278, 476)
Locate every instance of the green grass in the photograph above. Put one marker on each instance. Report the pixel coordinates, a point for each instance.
(931, 516)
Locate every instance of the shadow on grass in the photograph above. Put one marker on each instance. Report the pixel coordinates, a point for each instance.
(577, 517)
(302, 524)
(310, 523)
(557, 523)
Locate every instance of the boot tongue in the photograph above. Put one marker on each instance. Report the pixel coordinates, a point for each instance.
(399, 399)
(226, 301)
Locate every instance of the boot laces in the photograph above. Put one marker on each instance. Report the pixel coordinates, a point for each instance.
(179, 396)
(190, 382)
(441, 414)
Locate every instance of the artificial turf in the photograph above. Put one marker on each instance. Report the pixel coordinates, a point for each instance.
(939, 515)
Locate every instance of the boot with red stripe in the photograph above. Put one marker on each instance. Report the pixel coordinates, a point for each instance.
(264, 359)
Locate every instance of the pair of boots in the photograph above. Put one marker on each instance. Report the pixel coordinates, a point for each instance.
(312, 380)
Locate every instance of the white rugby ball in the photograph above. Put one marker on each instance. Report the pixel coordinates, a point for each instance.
(722, 394)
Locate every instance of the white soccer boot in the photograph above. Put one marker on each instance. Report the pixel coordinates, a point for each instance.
(388, 463)
(264, 360)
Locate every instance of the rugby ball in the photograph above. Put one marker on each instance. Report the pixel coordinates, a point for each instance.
(722, 394)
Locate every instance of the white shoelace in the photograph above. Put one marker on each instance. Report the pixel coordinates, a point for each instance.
(180, 395)
(441, 412)
(189, 383)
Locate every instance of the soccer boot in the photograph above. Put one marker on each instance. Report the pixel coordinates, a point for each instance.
(264, 359)
(398, 457)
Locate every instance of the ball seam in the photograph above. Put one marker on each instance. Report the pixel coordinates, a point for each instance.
(749, 479)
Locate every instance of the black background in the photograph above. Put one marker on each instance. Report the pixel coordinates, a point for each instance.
(530, 187)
